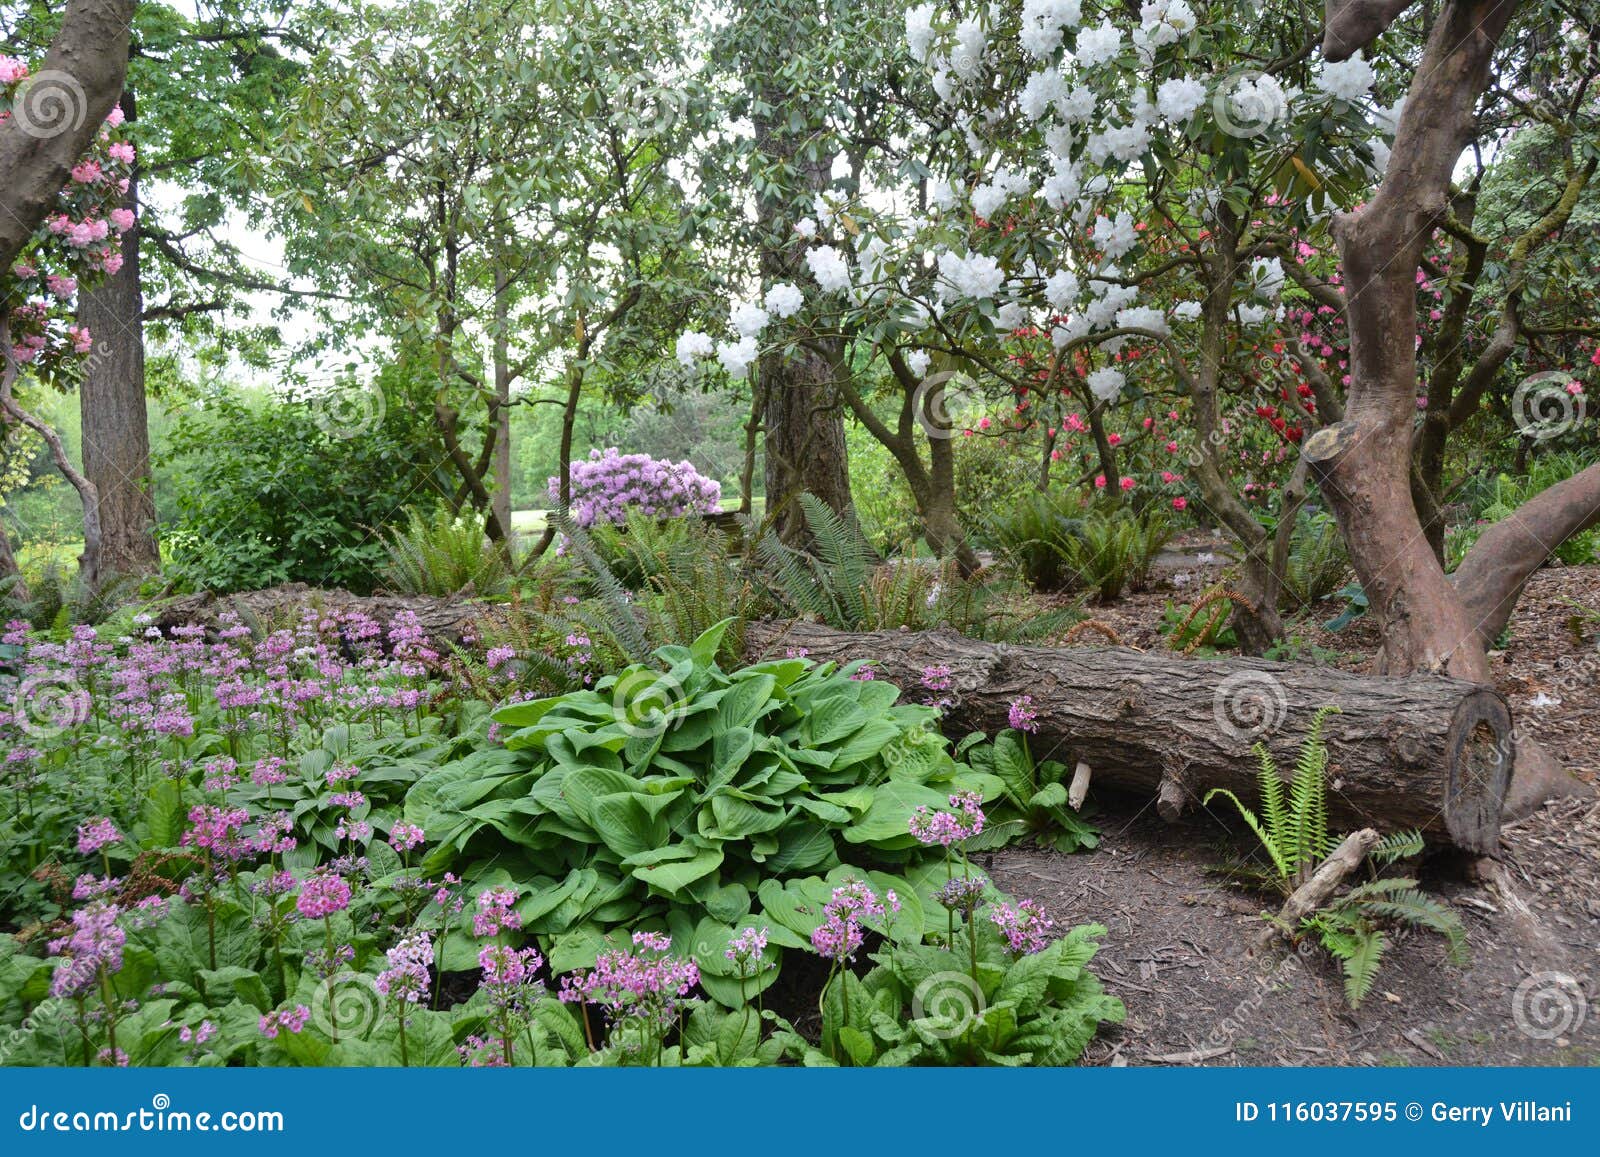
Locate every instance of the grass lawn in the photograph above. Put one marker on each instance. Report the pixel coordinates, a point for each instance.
(533, 521)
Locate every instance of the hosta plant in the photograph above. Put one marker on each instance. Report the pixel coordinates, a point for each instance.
(683, 789)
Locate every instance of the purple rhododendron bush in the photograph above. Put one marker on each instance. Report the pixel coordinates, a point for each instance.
(330, 843)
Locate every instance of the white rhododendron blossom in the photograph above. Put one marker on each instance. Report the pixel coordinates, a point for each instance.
(784, 300)
(1267, 276)
(919, 32)
(1143, 317)
(736, 356)
(918, 361)
(1259, 102)
(1043, 90)
(806, 227)
(1115, 237)
(1044, 21)
(1348, 80)
(1069, 330)
(1164, 21)
(692, 345)
(829, 267)
(976, 275)
(747, 319)
(1186, 310)
(1178, 98)
(1098, 45)
(1106, 384)
(1061, 290)
(988, 197)
(966, 62)
(1252, 314)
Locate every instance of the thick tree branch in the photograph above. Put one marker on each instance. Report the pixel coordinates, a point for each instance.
(1490, 579)
(61, 109)
(1351, 25)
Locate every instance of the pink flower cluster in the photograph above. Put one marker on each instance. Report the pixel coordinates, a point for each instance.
(495, 912)
(1021, 715)
(322, 896)
(403, 836)
(94, 945)
(948, 828)
(840, 935)
(646, 982)
(609, 485)
(284, 1019)
(1025, 926)
(96, 834)
(407, 977)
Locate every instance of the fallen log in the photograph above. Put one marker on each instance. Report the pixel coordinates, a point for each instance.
(1422, 751)
(446, 620)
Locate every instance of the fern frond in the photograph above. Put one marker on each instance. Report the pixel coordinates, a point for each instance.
(1397, 846)
(1272, 848)
(1420, 910)
(1361, 964)
(620, 622)
(1275, 814)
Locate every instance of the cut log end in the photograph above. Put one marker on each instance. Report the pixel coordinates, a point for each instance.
(1481, 754)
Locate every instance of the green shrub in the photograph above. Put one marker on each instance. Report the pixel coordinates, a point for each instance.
(267, 492)
(1115, 551)
(1034, 534)
(1318, 564)
(445, 554)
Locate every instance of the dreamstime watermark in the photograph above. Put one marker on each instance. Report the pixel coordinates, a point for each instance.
(347, 1005)
(1267, 983)
(349, 412)
(1544, 405)
(50, 103)
(647, 703)
(1548, 1005)
(43, 1015)
(952, 1001)
(1248, 705)
(1248, 103)
(1219, 437)
(645, 106)
(946, 403)
(159, 1117)
(45, 706)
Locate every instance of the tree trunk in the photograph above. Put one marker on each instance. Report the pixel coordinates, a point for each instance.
(59, 114)
(1428, 751)
(500, 418)
(116, 437)
(801, 410)
(16, 590)
(805, 446)
(1364, 463)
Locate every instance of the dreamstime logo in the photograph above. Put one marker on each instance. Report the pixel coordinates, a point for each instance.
(1544, 408)
(647, 107)
(952, 1000)
(1249, 704)
(349, 413)
(46, 705)
(646, 703)
(50, 103)
(1248, 103)
(1548, 1005)
(348, 1005)
(946, 403)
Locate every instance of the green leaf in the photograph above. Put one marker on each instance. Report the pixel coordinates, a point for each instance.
(672, 878)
